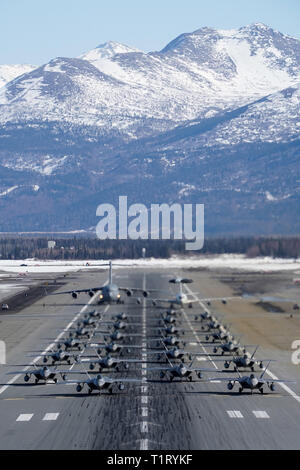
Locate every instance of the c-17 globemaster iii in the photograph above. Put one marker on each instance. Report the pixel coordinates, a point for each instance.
(108, 293)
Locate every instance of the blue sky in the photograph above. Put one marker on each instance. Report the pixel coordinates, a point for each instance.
(35, 31)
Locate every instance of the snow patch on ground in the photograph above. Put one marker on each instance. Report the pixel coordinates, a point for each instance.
(232, 262)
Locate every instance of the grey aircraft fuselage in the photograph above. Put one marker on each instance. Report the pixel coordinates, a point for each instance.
(109, 294)
(250, 383)
(44, 374)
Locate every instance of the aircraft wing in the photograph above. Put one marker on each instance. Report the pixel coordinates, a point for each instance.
(138, 289)
(23, 372)
(82, 360)
(130, 361)
(41, 354)
(210, 299)
(158, 351)
(267, 381)
(72, 382)
(164, 300)
(118, 380)
(225, 379)
(79, 291)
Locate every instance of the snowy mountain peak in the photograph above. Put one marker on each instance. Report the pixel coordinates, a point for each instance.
(107, 51)
(10, 72)
(258, 27)
(219, 103)
(111, 48)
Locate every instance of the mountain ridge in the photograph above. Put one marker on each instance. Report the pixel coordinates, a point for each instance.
(211, 118)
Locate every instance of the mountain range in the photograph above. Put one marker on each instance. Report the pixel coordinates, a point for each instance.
(212, 118)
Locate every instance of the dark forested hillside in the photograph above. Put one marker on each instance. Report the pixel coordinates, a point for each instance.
(78, 248)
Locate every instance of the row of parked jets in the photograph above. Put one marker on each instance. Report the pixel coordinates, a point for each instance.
(166, 340)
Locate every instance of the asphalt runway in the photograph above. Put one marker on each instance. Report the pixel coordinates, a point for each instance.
(151, 415)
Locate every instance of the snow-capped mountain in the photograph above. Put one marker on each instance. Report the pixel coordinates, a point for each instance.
(214, 114)
(107, 51)
(196, 75)
(10, 72)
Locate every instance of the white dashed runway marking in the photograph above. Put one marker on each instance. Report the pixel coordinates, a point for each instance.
(24, 417)
(144, 444)
(235, 414)
(50, 417)
(261, 414)
(144, 427)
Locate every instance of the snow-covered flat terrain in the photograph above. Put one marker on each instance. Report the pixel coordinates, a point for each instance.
(232, 262)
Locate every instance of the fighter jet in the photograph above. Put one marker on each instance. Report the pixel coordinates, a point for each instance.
(222, 335)
(118, 335)
(121, 316)
(112, 347)
(246, 361)
(108, 293)
(70, 343)
(174, 330)
(88, 322)
(80, 333)
(169, 340)
(213, 324)
(230, 347)
(169, 319)
(93, 314)
(181, 371)
(174, 353)
(45, 374)
(108, 362)
(252, 382)
(57, 356)
(116, 326)
(204, 316)
(100, 383)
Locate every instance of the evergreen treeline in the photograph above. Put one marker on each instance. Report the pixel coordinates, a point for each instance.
(79, 248)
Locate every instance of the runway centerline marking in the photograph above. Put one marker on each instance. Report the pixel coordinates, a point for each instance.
(144, 444)
(144, 427)
(144, 389)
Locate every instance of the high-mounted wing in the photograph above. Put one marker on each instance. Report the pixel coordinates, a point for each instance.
(79, 291)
